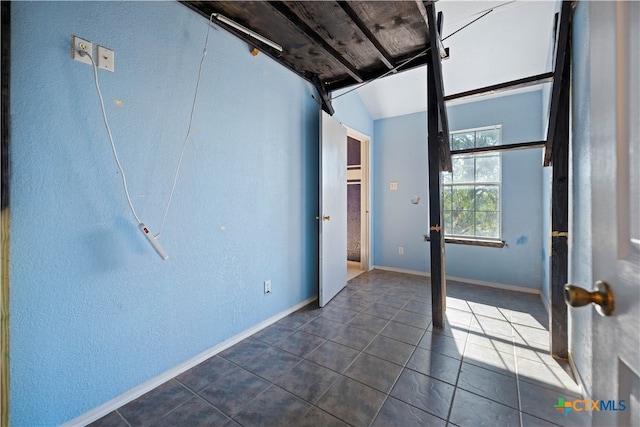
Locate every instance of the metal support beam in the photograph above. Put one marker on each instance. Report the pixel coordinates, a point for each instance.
(438, 86)
(385, 57)
(436, 231)
(4, 214)
(284, 10)
(505, 147)
(502, 87)
(439, 158)
(561, 48)
(325, 99)
(558, 323)
(442, 51)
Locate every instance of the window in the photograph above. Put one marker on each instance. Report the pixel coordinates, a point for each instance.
(471, 194)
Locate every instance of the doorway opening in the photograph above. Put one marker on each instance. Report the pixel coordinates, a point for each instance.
(357, 203)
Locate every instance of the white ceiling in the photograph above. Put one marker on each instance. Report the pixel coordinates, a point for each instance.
(513, 41)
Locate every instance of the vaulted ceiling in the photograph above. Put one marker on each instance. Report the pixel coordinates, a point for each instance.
(499, 41)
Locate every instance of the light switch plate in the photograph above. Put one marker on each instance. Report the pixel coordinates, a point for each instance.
(106, 59)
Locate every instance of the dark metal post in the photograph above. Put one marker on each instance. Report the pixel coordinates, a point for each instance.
(562, 47)
(5, 13)
(558, 323)
(436, 232)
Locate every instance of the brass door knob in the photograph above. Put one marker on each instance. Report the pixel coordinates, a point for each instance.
(601, 296)
(325, 218)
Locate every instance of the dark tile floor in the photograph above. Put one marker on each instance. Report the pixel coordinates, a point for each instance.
(372, 358)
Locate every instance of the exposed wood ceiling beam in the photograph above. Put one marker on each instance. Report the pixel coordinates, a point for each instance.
(385, 57)
(562, 45)
(502, 87)
(284, 10)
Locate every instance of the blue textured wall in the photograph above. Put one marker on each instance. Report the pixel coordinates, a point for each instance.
(95, 311)
(351, 111)
(400, 154)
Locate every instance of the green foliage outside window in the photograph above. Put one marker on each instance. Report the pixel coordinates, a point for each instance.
(471, 194)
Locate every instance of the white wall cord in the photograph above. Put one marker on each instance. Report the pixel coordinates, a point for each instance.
(186, 138)
(184, 144)
(113, 145)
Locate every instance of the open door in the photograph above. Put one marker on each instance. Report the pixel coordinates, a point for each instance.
(358, 249)
(614, 142)
(333, 208)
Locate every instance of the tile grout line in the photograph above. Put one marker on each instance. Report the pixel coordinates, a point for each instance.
(313, 404)
(413, 298)
(271, 383)
(122, 417)
(231, 417)
(515, 361)
(464, 349)
(341, 374)
(302, 358)
(387, 395)
(404, 366)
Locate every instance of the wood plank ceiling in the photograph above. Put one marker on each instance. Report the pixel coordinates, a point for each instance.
(333, 44)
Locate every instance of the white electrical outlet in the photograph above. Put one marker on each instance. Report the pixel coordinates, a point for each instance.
(106, 59)
(393, 186)
(267, 286)
(81, 45)
(400, 250)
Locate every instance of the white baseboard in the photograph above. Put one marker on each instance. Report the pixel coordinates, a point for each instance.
(577, 376)
(464, 280)
(110, 406)
(496, 285)
(401, 270)
(545, 302)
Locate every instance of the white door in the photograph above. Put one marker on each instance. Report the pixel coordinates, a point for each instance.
(613, 119)
(333, 208)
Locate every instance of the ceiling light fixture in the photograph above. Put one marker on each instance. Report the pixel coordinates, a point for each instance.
(247, 31)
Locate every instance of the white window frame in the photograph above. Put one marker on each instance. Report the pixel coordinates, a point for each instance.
(453, 237)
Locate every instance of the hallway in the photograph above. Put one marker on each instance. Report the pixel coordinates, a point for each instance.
(370, 357)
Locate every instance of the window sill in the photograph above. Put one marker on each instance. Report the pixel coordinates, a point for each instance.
(471, 242)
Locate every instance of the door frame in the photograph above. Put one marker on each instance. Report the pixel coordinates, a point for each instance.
(365, 186)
